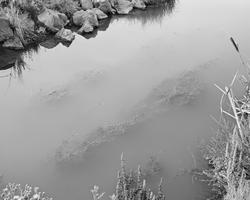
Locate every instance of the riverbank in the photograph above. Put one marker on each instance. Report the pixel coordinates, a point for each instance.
(25, 22)
(228, 152)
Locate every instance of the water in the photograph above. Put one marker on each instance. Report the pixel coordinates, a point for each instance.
(104, 79)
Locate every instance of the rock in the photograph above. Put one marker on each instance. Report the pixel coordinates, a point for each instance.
(105, 6)
(41, 31)
(86, 4)
(50, 43)
(80, 17)
(139, 4)
(65, 35)
(33, 7)
(100, 15)
(123, 7)
(13, 43)
(86, 19)
(86, 28)
(53, 20)
(5, 30)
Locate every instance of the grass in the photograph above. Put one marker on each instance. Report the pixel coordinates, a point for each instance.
(130, 186)
(15, 192)
(229, 151)
(12, 13)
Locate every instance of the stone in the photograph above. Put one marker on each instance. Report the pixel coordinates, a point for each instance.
(53, 20)
(100, 15)
(13, 43)
(86, 19)
(123, 7)
(50, 43)
(105, 6)
(86, 4)
(65, 35)
(86, 28)
(5, 30)
(139, 4)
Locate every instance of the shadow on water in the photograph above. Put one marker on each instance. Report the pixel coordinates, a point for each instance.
(15, 60)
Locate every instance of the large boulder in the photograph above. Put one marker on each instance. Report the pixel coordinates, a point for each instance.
(86, 19)
(5, 30)
(105, 6)
(53, 20)
(86, 4)
(13, 43)
(123, 7)
(65, 35)
(139, 4)
(100, 15)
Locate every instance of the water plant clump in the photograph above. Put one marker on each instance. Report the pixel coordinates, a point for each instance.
(15, 192)
(131, 186)
(228, 153)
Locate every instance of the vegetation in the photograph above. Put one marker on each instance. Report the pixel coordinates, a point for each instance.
(131, 186)
(228, 152)
(15, 192)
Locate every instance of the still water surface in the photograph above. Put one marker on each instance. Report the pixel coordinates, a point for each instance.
(100, 79)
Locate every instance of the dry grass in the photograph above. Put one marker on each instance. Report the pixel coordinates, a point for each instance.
(130, 186)
(15, 192)
(229, 152)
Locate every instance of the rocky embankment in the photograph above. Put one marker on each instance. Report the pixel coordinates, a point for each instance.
(26, 22)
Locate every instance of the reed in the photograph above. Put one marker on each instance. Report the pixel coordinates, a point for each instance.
(229, 151)
(131, 186)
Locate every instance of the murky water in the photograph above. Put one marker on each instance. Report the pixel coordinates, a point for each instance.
(123, 70)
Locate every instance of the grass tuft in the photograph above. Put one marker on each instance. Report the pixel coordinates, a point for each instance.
(229, 151)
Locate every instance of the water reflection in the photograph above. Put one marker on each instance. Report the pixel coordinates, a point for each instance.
(151, 14)
(15, 60)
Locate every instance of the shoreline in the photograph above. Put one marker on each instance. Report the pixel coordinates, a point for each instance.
(27, 23)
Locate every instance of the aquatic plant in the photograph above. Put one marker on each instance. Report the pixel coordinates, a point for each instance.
(15, 192)
(131, 186)
(228, 153)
